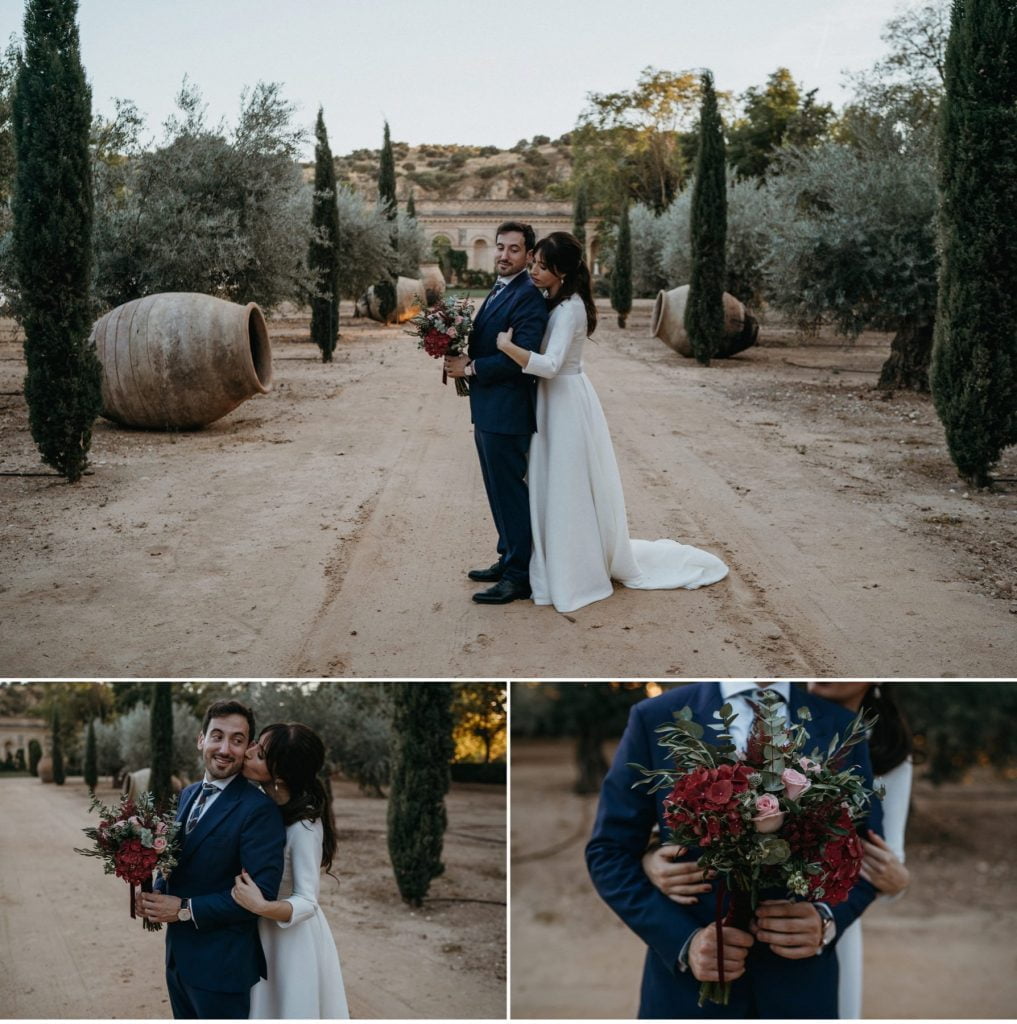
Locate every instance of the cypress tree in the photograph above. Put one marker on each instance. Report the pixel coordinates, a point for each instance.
(974, 355)
(621, 274)
(411, 206)
(704, 311)
(52, 236)
(385, 291)
(422, 748)
(161, 747)
(91, 771)
(34, 756)
(323, 257)
(580, 215)
(58, 751)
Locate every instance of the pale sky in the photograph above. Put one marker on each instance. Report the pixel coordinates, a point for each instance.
(455, 71)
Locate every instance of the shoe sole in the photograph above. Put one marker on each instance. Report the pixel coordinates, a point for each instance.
(501, 600)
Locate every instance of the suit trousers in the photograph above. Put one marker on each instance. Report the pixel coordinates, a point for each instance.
(503, 464)
(190, 1003)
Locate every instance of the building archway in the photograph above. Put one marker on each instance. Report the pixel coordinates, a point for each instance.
(481, 255)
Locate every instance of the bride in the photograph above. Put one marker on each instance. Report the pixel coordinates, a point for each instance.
(304, 979)
(577, 508)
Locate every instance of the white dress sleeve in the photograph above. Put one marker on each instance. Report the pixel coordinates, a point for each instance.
(305, 863)
(895, 806)
(561, 331)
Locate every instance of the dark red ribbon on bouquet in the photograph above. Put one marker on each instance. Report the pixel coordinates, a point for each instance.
(719, 922)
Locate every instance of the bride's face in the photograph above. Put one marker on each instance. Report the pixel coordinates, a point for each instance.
(541, 275)
(255, 767)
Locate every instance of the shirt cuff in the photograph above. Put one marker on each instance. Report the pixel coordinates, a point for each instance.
(683, 956)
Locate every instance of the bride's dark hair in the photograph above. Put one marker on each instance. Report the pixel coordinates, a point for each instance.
(562, 254)
(295, 754)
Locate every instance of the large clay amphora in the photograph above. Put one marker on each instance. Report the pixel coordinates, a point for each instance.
(434, 282)
(741, 330)
(180, 360)
(44, 769)
(409, 296)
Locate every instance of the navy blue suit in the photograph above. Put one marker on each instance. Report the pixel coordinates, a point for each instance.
(503, 403)
(772, 986)
(213, 960)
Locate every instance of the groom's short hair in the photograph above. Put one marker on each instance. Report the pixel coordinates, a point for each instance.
(222, 708)
(526, 230)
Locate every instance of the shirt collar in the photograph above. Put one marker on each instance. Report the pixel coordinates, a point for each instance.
(509, 280)
(738, 687)
(220, 784)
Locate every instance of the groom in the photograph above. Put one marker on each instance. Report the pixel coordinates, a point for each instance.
(213, 953)
(503, 406)
(787, 966)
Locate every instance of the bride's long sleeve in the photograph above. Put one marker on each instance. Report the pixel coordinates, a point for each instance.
(562, 331)
(305, 860)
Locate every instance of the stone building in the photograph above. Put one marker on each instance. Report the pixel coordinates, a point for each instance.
(470, 224)
(16, 733)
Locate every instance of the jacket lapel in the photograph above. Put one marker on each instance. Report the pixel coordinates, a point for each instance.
(223, 805)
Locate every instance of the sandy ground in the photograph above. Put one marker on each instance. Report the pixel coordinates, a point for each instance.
(325, 529)
(68, 948)
(944, 950)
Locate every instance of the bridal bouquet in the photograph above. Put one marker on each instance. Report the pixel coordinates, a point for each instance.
(774, 819)
(132, 840)
(444, 329)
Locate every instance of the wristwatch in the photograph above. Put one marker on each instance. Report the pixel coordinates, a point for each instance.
(829, 925)
(468, 370)
(184, 913)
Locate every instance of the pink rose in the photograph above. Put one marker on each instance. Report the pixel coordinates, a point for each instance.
(135, 820)
(794, 783)
(769, 817)
(159, 844)
(160, 829)
(451, 332)
(808, 765)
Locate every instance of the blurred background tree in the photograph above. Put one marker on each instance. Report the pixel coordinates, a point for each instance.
(957, 725)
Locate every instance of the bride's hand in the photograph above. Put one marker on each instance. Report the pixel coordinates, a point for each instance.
(881, 867)
(246, 893)
(504, 340)
(679, 880)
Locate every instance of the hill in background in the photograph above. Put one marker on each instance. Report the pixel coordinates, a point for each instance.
(536, 169)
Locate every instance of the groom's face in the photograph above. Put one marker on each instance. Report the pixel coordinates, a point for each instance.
(511, 252)
(223, 745)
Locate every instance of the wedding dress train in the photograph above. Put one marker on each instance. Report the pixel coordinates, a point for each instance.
(577, 508)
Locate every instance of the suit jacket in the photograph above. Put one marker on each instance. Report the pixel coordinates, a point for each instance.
(219, 949)
(503, 399)
(772, 986)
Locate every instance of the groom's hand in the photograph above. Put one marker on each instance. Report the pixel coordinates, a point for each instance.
(703, 953)
(159, 907)
(792, 930)
(455, 366)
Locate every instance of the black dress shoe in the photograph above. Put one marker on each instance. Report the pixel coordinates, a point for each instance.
(491, 575)
(503, 592)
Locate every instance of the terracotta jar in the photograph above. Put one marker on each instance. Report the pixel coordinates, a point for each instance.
(741, 330)
(409, 296)
(180, 360)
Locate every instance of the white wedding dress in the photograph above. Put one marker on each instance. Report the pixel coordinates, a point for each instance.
(577, 507)
(304, 979)
(849, 946)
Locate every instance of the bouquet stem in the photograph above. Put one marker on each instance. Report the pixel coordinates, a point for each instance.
(150, 926)
(739, 915)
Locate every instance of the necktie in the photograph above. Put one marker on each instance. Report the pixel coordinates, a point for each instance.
(497, 290)
(199, 805)
(755, 734)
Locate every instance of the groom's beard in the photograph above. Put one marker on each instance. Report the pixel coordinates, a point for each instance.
(222, 766)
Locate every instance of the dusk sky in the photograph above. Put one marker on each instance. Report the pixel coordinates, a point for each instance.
(464, 71)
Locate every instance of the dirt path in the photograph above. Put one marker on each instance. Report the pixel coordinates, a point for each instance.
(326, 528)
(945, 950)
(68, 948)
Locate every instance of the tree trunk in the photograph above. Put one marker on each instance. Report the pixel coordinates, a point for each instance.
(591, 761)
(907, 367)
